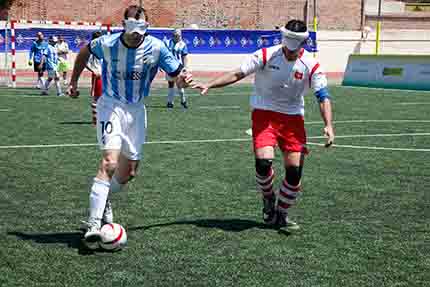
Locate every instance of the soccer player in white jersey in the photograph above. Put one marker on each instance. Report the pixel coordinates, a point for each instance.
(51, 58)
(130, 61)
(63, 56)
(179, 49)
(283, 74)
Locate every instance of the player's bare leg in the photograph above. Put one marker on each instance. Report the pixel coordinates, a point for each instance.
(290, 188)
(46, 86)
(124, 173)
(58, 87)
(264, 175)
(65, 78)
(181, 92)
(171, 94)
(40, 80)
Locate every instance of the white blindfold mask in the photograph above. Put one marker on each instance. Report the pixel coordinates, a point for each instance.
(136, 26)
(293, 40)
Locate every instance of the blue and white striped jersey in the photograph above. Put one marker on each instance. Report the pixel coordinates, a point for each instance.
(179, 50)
(127, 73)
(51, 57)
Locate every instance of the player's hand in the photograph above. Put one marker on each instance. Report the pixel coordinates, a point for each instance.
(30, 63)
(73, 91)
(184, 79)
(202, 87)
(329, 133)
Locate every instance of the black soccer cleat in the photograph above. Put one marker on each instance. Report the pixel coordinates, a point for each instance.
(269, 211)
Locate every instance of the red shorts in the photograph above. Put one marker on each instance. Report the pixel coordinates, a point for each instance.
(272, 128)
(96, 87)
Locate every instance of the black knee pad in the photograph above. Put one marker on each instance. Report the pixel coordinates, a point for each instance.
(263, 166)
(293, 174)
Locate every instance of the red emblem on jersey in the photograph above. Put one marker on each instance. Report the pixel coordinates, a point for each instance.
(298, 75)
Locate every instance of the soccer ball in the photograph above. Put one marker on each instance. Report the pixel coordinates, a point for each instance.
(113, 237)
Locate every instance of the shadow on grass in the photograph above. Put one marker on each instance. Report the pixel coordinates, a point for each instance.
(228, 225)
(70, 239)
(76, 123)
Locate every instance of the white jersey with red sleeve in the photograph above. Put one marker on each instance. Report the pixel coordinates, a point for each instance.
(280, 85)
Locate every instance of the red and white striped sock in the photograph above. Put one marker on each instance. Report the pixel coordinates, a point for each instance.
(94, 112)
(265, 184)
(288, 195)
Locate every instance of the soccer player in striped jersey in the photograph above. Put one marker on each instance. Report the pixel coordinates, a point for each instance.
(51, 59)
(130, 61)
(179, 49)
(283, 74)
(37, 53)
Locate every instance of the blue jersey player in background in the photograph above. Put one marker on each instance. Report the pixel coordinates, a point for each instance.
(179, 49)
(131, 60)
(37, 52)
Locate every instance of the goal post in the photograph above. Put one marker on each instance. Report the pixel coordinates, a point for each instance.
(20, 34)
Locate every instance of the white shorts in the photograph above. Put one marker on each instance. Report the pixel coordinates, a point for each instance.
(121, 127)
(53, 74)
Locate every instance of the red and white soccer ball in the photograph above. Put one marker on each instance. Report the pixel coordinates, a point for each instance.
(113, 237)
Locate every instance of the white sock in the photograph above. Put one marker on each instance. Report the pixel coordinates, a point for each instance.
(47, 85)
(58, 86)
(171, 95)
(115, 186)
(181, 93)
(98, 196)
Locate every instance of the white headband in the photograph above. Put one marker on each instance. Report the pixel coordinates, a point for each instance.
(139, 26)
(293, 40)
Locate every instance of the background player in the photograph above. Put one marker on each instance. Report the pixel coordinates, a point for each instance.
(63, 57)
(37, 54)
(179, 49)
(51, 58)
(94, 65)
(130, 63)
(283, 74)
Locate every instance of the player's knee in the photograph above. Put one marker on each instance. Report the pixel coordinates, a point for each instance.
(263, 166)
(109, 166)
(293, 175)
(132, 172)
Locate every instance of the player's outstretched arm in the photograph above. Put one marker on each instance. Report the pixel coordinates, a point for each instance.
(80, 64)
(222, 81)
(326, 114)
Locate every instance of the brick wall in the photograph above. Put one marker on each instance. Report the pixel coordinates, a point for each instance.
(246, 14)
(405, 21)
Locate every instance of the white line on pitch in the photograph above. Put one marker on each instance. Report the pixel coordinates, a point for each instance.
(218, 107)
(5, 110)
(373, 147)
(369, 121)
(379, 89)
(374, 135)
(206, 141)
(412, 104)
(150, 142)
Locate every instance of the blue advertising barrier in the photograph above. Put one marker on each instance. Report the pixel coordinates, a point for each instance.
(198, 41)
